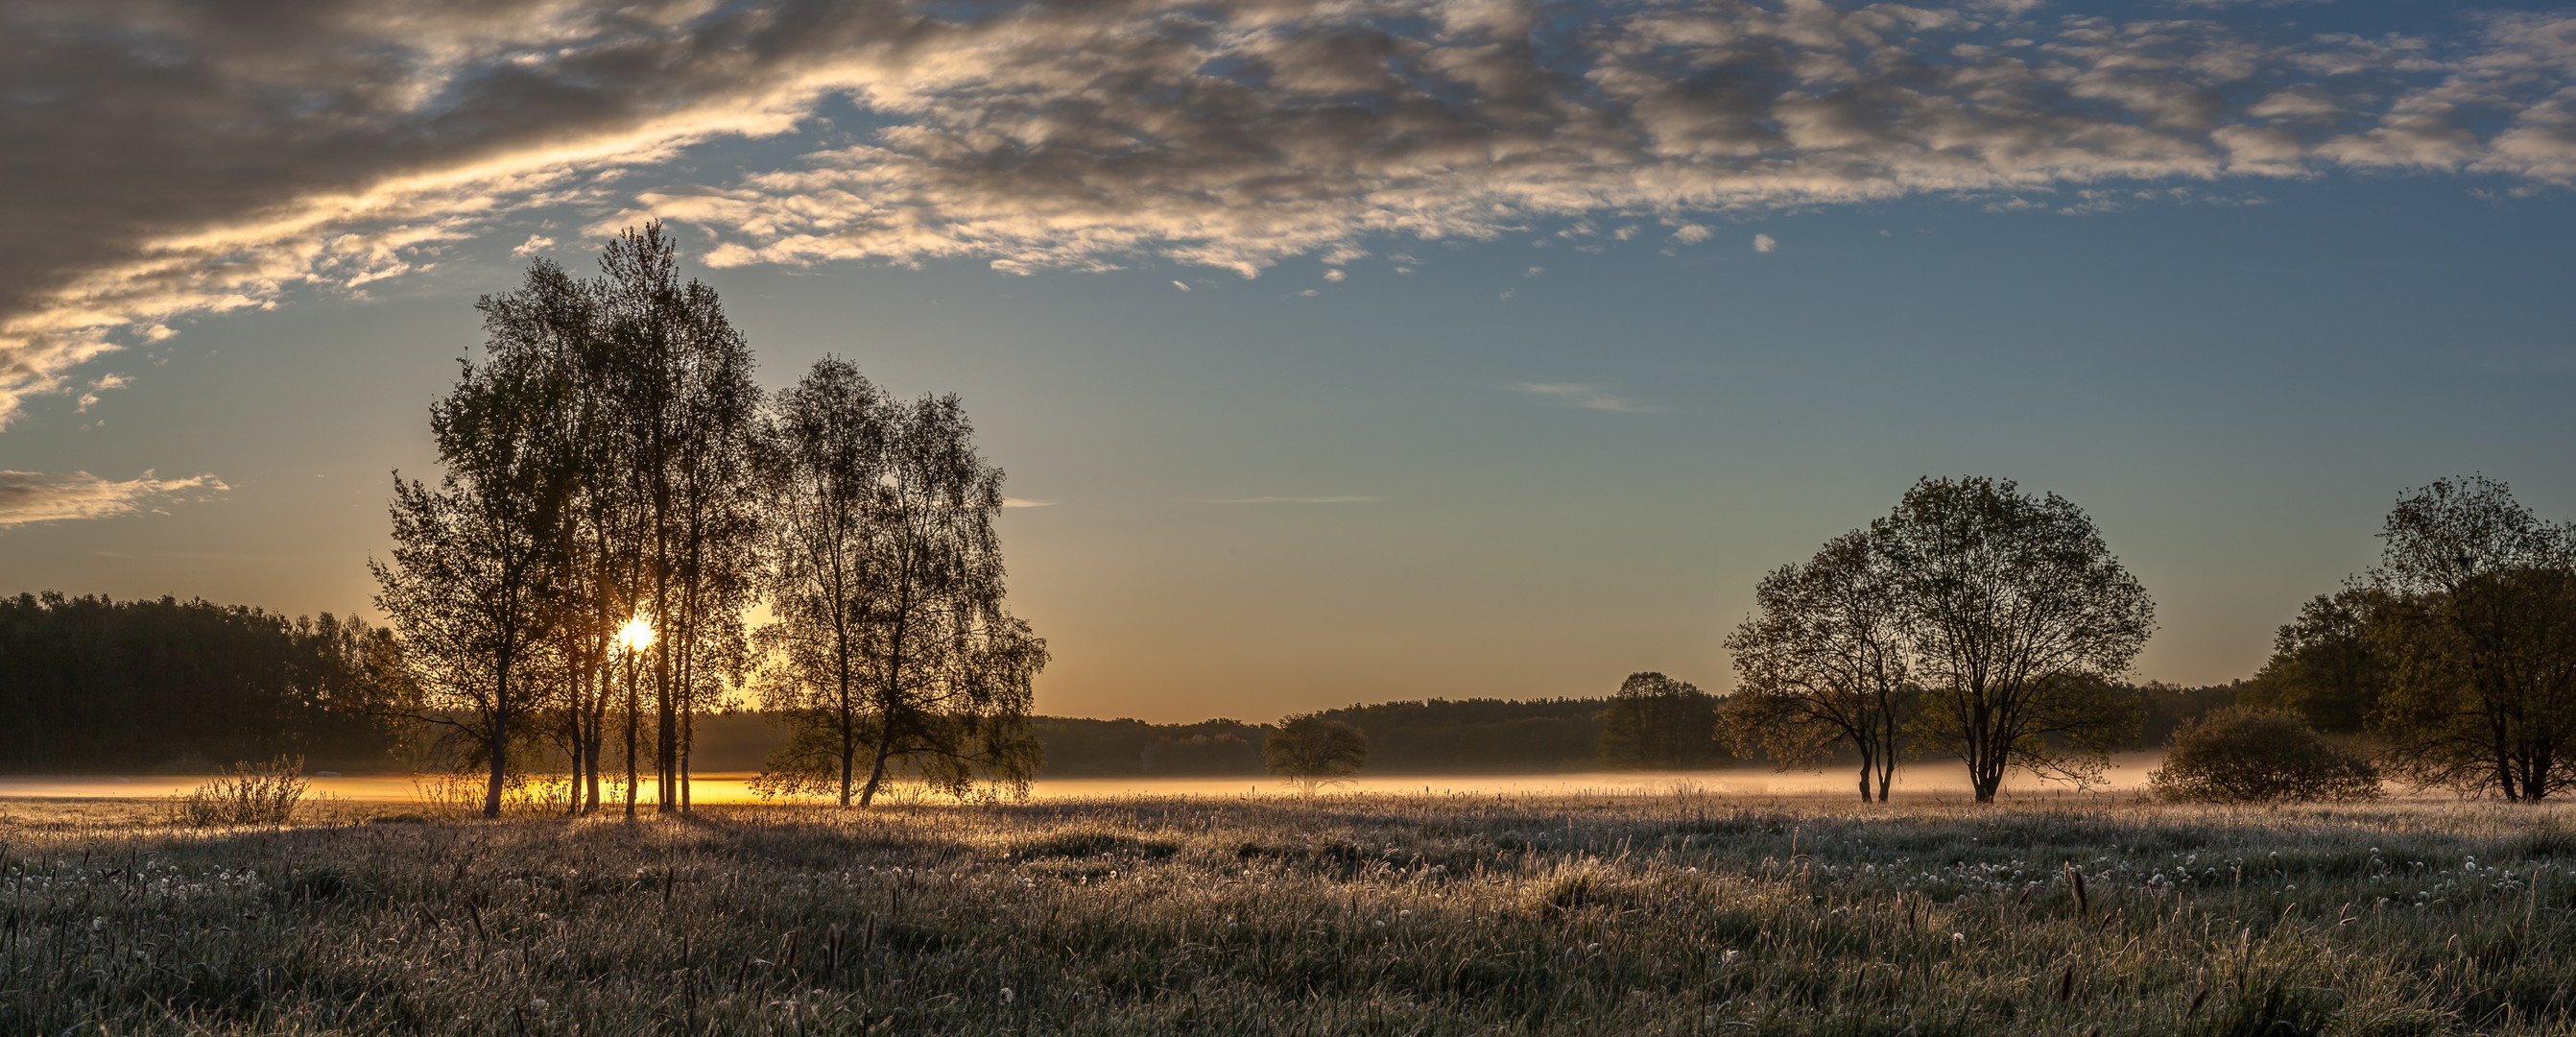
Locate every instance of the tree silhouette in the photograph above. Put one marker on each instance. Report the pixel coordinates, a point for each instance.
(1312, 752)
(1823, 661)
(822, 457)
(477, 575)
(2477, 625)
(2018, 619)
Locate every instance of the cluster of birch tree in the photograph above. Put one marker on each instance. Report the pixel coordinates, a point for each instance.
(617, 495)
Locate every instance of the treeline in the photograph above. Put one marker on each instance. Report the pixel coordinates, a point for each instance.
(1426, 736)
(90, 684)
(130, 686)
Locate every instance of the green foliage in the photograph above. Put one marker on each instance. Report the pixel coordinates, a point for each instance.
(1658, 723)
(2322, 666)
(1824, 663)
(2018, 620)
(1312, 751)
(2474, 617)
(91, 684)
(245, 794)
(2253, 754)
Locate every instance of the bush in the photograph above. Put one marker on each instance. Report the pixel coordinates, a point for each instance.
(2253, 754)
(246, 794)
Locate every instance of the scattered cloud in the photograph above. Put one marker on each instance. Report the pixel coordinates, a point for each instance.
(1183, 287)
(1301, 500)
(1586, 396)
(30, 497)
(536, 243)
(89, 399)
(345, 142)
(1765, 243)
(1535, 271)
(1015, 502)
(1334, 275)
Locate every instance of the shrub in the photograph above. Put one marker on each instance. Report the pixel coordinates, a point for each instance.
(2252, 754)
(246, 794)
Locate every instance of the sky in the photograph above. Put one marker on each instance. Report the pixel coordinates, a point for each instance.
(1338, 350)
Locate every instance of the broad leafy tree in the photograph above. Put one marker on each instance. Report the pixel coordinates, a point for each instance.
(1312, 751)
(2018, 619)
(2477, 627)
(1822, 663)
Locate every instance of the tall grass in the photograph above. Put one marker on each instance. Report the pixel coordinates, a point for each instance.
(1376, 915)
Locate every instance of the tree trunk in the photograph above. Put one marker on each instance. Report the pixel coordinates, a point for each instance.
(849, 730)
(876, 774)
(500, 738)
(634, 715)
(666, 735)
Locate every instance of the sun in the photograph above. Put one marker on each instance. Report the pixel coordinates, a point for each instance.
(636, 635)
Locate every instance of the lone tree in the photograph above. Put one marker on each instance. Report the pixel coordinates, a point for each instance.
(2253, 754)
(1657, 723)
(2477, 626)
(942, 672)
(1823, 663)
(1312, 751)
(2017, 617)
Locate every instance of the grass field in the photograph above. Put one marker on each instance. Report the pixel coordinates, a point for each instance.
(1679, 913)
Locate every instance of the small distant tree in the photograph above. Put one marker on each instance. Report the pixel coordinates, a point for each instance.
(2018, 619)
(1312, 751)
(1823, 663)
(2252, 754)
(1657, 723)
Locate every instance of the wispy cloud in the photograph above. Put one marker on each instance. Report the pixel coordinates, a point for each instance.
(30, 497)
(1300, 500)
(343, 143)
(1765, 243)
(1015, 502)
(1586, 396)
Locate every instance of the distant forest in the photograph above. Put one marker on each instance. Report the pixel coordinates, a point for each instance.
(101, 686)
(93, 685)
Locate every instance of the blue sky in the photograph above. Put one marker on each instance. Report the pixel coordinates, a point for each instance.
(2228, 276)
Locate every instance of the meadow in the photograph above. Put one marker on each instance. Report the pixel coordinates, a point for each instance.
(1678, 912)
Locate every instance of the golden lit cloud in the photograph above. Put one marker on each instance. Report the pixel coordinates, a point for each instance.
(31, 497)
